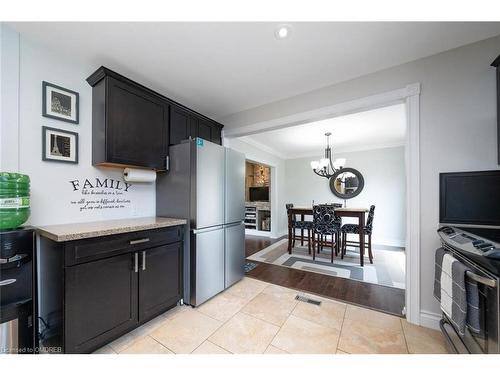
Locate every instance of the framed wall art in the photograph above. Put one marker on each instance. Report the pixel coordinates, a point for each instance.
(59, 145)
(59, 103)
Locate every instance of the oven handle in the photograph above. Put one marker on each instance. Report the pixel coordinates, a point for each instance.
(481, 279)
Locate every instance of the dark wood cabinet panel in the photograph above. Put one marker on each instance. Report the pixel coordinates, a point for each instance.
(193, 126)
(129, 123)
(160, 282)
(137, 126)
(133, 125)
(100, 300)
(211, 131)
(205, 130)
(97, 289)
(185, 125)
(90, 249)
(216, 134)
(180, 125)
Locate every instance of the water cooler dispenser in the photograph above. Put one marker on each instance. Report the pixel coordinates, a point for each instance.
(17, 286)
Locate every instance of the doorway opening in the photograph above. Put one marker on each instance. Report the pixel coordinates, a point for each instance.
(408, 98)
(258, 219)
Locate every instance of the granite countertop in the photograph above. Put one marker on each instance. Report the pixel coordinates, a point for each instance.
(78, 231)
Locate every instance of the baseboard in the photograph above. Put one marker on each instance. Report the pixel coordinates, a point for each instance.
(283, 234)
(260, 233)
(429, 319)
(389, 242)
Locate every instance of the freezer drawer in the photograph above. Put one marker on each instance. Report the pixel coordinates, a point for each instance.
(234, 186)
(234, 254)
(207, 264)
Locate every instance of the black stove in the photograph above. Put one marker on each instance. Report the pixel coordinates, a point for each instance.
(479, 249)
(477, 244)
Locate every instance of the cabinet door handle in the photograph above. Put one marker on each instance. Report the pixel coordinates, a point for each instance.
(144, 261)
(7, 282)
(142, 240)
(136, 262)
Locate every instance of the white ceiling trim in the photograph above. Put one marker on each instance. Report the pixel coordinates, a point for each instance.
(335, 110)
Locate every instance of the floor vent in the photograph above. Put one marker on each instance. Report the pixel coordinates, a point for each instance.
(307, 300)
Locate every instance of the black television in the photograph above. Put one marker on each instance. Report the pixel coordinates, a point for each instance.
(259, 194)
(471, 198)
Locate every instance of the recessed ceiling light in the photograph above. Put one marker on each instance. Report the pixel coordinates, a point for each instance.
(282, 31)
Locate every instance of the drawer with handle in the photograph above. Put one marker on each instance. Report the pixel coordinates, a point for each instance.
(90, 249)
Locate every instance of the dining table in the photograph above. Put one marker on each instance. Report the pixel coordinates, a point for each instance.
(358, 213)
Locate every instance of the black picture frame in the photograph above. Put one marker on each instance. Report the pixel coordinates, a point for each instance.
(45, 130)
(45, 86)
(355, 172)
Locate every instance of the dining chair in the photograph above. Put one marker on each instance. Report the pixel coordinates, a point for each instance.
(299, 224)
(323, 238)
(325, 223)
(354, 229)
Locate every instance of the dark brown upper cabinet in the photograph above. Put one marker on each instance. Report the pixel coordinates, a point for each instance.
(185, 124)
(180, 125)
(129, 123)
(216, 133)
(133, 125)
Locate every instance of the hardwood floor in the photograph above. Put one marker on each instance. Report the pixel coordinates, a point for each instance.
(254, 244)
(377, 297)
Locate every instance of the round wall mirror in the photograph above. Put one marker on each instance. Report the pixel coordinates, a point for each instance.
(346, 183)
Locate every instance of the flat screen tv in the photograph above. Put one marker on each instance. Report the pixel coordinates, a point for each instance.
(471, 198)
(259, 194)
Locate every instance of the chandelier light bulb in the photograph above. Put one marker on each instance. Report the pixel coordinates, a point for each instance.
(325, 167)
(315, 164)
(339, 163)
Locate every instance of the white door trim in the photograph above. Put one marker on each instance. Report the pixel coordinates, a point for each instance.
(410, 95)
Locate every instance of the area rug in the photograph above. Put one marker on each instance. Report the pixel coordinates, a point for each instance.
(249, 266)
(388, 266)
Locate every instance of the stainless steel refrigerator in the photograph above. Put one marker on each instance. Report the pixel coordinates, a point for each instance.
(206, 185)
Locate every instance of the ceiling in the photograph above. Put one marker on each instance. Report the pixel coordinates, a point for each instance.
(223, 68)
(378, 128)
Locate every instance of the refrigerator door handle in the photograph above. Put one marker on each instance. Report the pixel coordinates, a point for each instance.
(234, 224)
(209, 229)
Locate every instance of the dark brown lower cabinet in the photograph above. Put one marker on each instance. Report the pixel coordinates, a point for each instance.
(95, 290)
(159, 279)
(101, 300)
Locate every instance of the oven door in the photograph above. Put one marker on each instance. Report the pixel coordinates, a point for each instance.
(486, 340)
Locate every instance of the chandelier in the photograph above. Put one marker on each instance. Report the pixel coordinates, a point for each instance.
(325, 167)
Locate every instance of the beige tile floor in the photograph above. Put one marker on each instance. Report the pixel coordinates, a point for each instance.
(256, 317)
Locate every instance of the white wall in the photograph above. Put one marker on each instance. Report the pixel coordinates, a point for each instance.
(279, 223)
(457, 124)
(51, 190)
(9, 94)
(384, 173)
